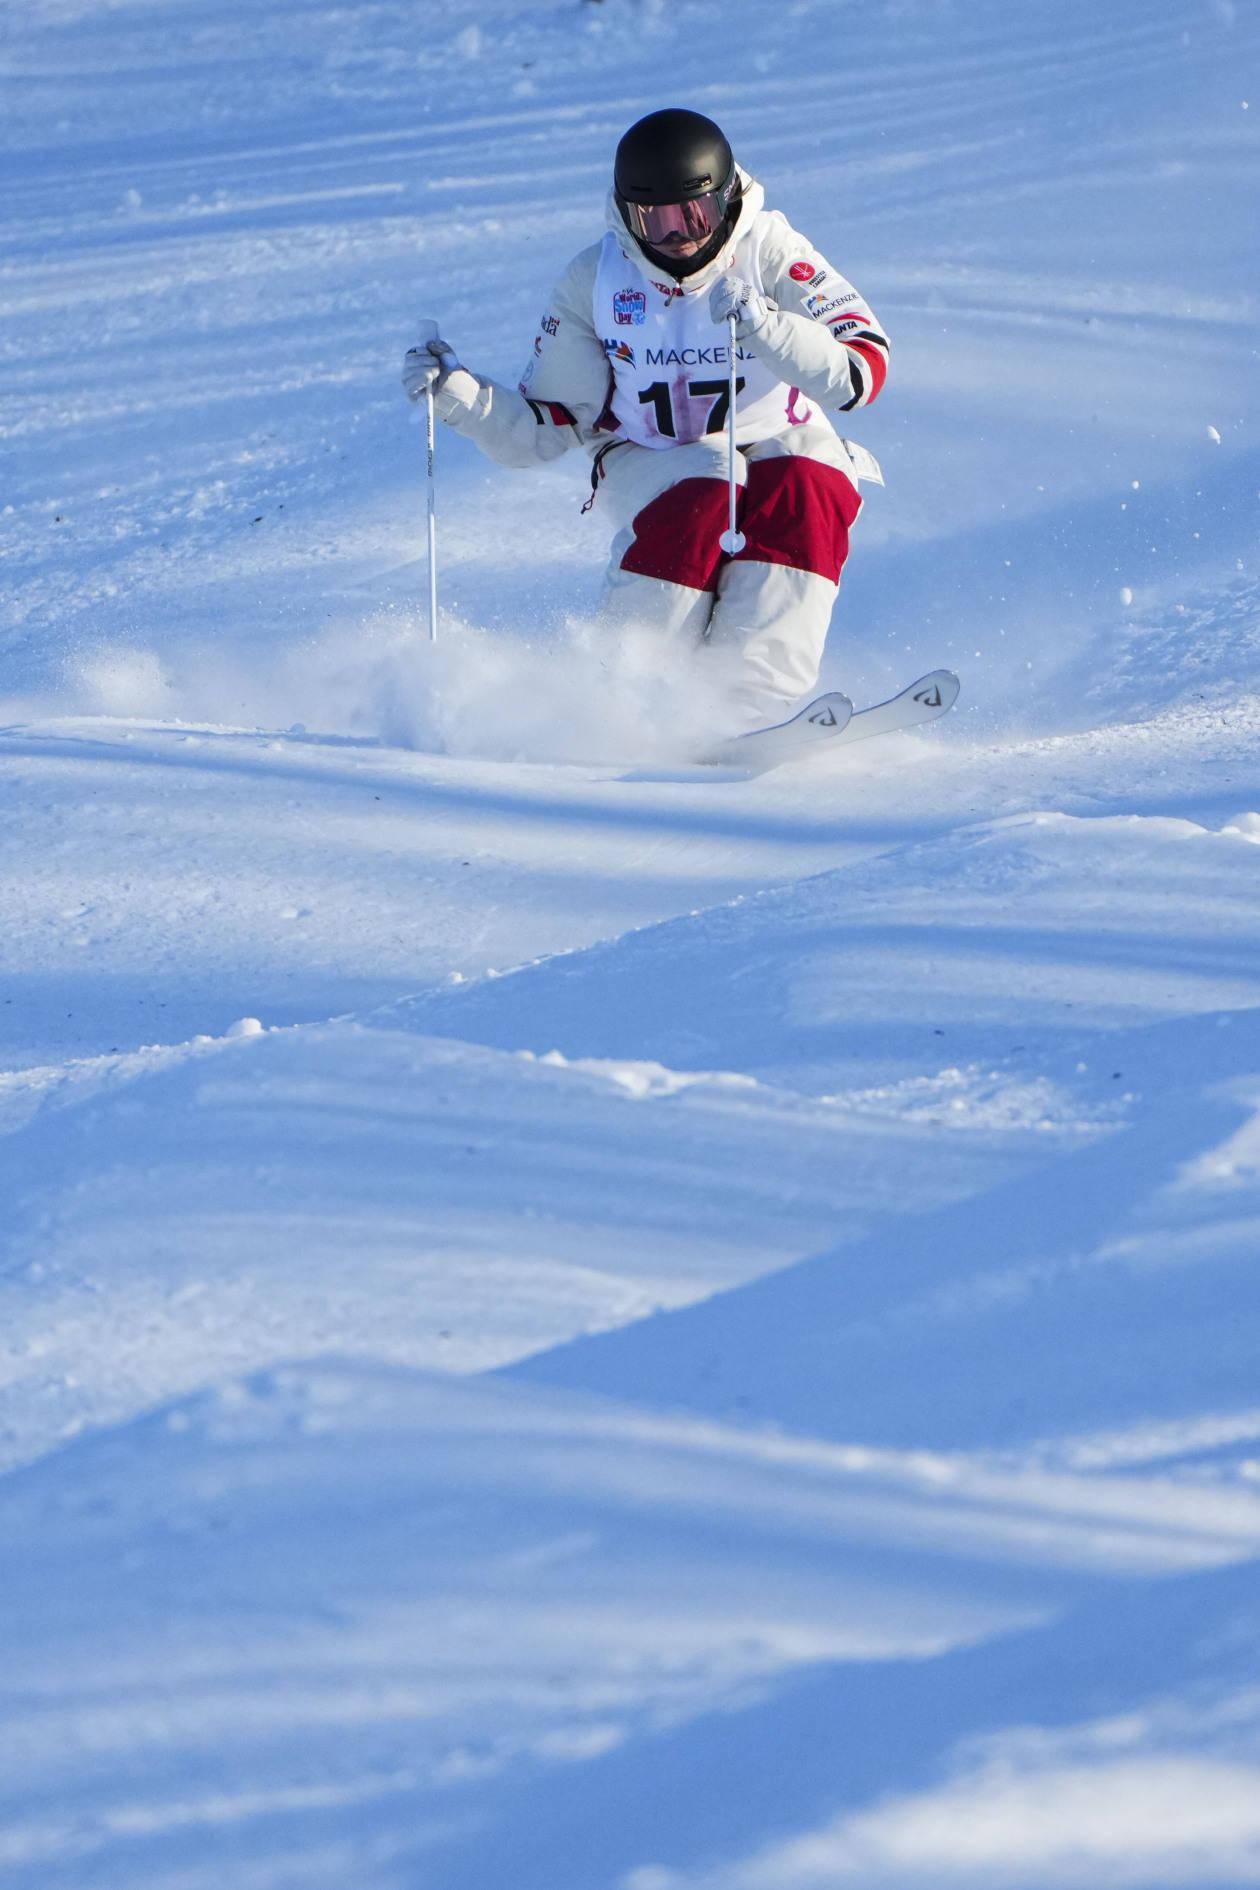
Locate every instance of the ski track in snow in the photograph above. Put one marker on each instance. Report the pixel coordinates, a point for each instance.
(566, 1320)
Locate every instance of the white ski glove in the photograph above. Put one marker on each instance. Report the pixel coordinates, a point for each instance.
(427, 366)
(731, 295)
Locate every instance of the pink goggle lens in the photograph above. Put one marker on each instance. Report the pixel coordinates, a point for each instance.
(693, 221)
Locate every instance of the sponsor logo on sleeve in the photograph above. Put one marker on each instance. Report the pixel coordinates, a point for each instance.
(820, 306)
(629, 306)
(668, 289)
(619, 351)
(551, 324)
(803, 271)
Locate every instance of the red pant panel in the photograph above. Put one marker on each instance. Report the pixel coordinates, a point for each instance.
(794, 511)
(676, 536)
(798, 511)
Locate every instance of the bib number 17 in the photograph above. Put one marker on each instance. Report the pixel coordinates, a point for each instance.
(660, 396)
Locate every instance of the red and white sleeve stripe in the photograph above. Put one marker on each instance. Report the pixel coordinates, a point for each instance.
(867, 346)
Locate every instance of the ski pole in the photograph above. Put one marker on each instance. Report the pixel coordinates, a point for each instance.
(432, 454)
(732, 540)
(429, 331)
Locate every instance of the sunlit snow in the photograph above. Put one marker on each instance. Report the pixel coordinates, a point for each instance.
(569, 1321)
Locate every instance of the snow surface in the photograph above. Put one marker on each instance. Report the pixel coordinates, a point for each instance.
(568, 1322)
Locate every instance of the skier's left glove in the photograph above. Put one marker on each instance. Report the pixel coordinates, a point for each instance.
(731, 295)
(427, 366)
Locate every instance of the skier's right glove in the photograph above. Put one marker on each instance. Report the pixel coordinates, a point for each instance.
(731, 295)
(427, 367)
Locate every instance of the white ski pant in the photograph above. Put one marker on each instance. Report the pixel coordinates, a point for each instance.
(772, 603)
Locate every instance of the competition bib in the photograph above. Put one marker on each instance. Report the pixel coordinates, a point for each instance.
(671, 361)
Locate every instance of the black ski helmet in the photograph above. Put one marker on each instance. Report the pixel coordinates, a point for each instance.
(674, 157)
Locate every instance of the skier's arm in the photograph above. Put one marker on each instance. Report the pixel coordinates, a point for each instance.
(561, 397)
(508, 428)
(811, 327)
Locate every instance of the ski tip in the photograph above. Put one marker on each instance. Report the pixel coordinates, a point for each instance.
(757, 750)
(825, 713)
(937, 691)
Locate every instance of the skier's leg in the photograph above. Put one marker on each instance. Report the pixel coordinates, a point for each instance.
(670, 509)
(775, 599)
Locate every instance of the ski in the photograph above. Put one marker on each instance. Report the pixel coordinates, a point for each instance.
(832, 721)
(824, 719)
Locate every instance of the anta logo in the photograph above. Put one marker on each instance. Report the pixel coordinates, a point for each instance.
(716, 356)
(629, 305)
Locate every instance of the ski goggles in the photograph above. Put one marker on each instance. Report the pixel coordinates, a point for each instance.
(694, 220)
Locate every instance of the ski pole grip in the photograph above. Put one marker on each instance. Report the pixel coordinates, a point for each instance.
(428, 330)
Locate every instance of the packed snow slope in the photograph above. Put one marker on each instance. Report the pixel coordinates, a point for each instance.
(568, 1321)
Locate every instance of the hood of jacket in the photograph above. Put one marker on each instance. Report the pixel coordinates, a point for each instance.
(753, 202)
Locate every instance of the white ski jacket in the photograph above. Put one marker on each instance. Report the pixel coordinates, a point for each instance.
(821, 343)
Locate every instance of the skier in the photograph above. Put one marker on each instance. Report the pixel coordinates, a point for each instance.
(632, 362)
